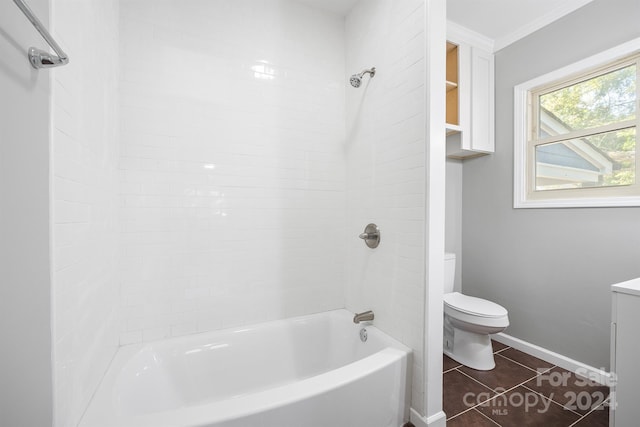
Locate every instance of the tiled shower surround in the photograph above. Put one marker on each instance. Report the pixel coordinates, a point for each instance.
(84, 199)
(385, 152)
(249, 166)
(232, 168)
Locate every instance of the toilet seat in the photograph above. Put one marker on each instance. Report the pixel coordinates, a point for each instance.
(474, 306)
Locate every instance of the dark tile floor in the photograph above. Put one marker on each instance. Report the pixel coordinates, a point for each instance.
(521, 391)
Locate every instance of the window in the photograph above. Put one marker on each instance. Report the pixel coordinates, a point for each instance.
(576, 134)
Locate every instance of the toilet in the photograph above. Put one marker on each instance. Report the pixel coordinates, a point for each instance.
(468, 321)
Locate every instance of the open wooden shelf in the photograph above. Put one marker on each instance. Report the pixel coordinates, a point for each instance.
(452, 84)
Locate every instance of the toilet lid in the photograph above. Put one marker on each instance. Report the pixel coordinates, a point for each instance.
(474, 306)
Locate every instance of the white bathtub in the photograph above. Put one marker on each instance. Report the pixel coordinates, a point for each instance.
(306, 371)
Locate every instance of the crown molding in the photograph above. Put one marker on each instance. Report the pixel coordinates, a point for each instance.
(562, 10)
(458, 33)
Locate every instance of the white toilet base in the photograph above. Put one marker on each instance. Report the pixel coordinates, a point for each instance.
(472, 350)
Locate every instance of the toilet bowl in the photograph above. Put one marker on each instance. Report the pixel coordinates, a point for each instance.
(468, 322)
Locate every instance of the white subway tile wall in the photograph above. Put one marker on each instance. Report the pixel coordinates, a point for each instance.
(84, 202)
(386, 170)
(238, 188)
(232, 167)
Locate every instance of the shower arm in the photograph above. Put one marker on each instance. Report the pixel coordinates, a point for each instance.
(371, 71)
(41, 58)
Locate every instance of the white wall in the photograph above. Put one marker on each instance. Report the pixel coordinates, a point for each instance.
(25, 359)
(232, 170)
(551, 268)
(385, 174)
(453, 224)
(84, 202)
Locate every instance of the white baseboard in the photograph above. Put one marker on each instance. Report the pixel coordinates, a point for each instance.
(598, 375)
(437, 420)
(417, 420)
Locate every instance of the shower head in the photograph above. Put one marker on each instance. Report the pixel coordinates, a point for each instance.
(356, 79)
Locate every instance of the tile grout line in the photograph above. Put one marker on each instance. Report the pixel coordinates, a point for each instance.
(490, 419)
(449, 370)
(551, 399)
(501, 350)
(564, 407)
(478, 381)
(476, 410)
(460, 364)
(499, 394)
(513, 388)
(522, 384)
(591, 411)
(460, 413)
(493, 390)
(484, 401)
(478, 404)
(528, 367)
(578, 420)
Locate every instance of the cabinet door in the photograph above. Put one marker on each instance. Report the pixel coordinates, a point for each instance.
(482, 101)
(627, 355)
(464, 93)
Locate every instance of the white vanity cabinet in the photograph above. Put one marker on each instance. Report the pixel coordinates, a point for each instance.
(625, 353)
(470, 100)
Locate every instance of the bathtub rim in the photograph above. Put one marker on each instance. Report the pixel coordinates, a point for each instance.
(200, 414)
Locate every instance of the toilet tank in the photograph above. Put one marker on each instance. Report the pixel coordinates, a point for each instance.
(449, 272)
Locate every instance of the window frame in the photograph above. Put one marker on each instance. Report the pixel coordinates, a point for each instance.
(525, 195)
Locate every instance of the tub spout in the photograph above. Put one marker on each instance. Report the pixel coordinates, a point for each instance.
(366, 316)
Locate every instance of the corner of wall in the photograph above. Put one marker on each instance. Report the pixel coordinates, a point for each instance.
(84, 125)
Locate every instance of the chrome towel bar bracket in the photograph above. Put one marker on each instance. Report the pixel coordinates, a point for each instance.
(40, 58)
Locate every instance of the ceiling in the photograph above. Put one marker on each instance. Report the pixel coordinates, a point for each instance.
(505, 21)
(502, 21)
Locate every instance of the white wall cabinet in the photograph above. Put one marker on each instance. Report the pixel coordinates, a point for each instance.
(470, 100)
(625, 353)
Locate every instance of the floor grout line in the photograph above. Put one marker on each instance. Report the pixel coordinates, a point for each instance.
(591, 411)
(525, 381)
(478, 404)
(460, 413)
(460, 364)
(497, 394)
(551, 399)
(476, 410)
(513, 388)
(528, 367)
(485, 401)
(578, 420)
(490, 419)
(478, 381)
(538, 372)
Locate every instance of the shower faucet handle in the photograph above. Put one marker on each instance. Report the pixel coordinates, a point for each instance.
(371, 236)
